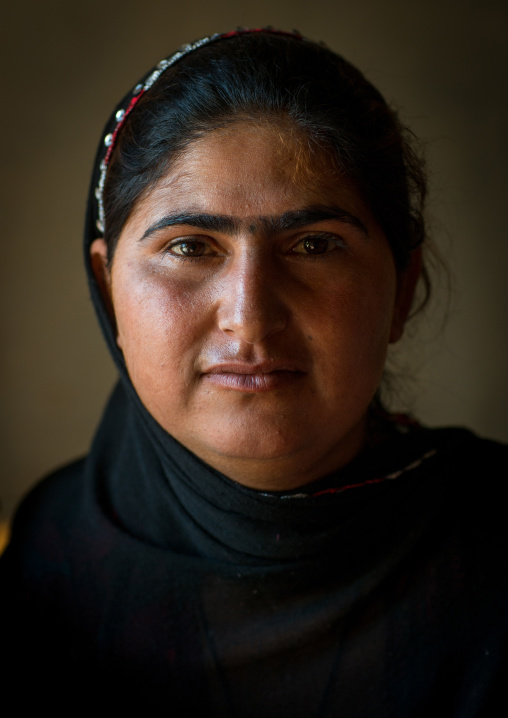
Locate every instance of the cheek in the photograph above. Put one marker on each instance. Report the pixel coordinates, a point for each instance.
(158, 323)
(354, 328)
(362, 305)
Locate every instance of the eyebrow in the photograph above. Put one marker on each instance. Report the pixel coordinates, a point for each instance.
(294, 219)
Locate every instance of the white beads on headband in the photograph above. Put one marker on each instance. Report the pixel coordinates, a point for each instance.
(122, 114)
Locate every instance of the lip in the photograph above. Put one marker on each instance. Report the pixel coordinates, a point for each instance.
(253, 378)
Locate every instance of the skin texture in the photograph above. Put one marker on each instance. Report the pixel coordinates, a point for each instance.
(257, 342)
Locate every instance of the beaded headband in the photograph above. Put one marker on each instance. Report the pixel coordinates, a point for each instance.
(142, 87)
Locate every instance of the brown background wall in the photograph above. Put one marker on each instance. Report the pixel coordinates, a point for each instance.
(443, 63)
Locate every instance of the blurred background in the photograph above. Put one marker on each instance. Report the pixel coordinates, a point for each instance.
(444, 65)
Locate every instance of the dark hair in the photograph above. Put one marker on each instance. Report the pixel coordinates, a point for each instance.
(259, 75)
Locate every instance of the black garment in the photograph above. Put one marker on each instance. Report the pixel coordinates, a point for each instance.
(146, 579)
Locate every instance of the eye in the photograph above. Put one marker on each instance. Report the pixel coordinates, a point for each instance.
(190, 247)
(316, 244)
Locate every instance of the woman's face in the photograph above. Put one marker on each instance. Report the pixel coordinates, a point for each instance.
(254, 298)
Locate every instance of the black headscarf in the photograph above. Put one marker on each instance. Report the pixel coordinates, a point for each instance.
(140, 578)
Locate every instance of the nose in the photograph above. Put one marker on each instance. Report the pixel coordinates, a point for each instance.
(251, 304)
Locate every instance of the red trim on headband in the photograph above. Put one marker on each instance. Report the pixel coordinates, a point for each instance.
(127, 112)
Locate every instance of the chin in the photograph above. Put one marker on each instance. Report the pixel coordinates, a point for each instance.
(270, 446)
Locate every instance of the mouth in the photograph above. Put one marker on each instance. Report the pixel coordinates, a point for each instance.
(253, 378)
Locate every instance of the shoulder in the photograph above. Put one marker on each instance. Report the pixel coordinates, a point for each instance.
(473, 462)
(468, 486)
(44, 515)
(460, 450)
(468, 469)
(459, 476)
(450, 456)
(58, 492)
(475, 445)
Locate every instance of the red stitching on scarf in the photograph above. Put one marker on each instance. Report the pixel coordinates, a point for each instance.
(390, 477)
(350, 486)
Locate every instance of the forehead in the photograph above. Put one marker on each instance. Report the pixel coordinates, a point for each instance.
(249, 169)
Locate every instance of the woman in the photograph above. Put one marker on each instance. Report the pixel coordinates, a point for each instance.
(251, 533)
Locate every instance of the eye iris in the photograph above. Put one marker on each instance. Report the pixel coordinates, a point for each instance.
(192, 249)
(316, 245)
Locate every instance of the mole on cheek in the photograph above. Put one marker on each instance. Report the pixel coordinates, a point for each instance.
(252, 228)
